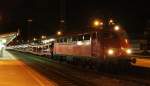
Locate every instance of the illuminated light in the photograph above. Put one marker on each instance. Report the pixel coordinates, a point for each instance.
(4, 40)
(34, 39)
(43, 37)
(45, 41)
(4, 36)
(96, 23)
(101, 23)
(126, 40)
(62, 21)
(116, 28)
(128, 51)
(87, 43)
(110, 52)
(52, 39)
(79, 43)
(59, 33)
(48, 40)
(29, 20)
(2, 46)
(122, 48)
(111, 21)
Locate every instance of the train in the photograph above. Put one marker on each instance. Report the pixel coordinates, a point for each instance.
(109, 46)
(98, 47)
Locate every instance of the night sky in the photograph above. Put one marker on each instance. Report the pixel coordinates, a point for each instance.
(132, 15)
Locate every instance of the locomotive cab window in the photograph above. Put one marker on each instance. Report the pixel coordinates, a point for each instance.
(69, 39)
(65, 39)
(74, 38)
(87, 37)
(80, 38)
(61, 40)
(58, 40)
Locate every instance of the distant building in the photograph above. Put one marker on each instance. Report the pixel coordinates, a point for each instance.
(141, 42)
(136, 41)
(147, 35)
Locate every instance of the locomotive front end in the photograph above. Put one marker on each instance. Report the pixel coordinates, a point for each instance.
(115, 44)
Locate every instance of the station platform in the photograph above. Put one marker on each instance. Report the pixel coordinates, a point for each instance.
(14, 72)
(142, 62)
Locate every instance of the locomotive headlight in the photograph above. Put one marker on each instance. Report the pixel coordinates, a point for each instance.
(128, 51)
(110, 52)
(116, 28)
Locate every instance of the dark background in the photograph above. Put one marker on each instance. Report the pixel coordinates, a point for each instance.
(132, 15)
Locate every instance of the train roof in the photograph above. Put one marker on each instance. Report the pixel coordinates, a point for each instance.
(81, 32)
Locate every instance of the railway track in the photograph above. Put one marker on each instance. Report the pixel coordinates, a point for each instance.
(70, 75)
(140, 75)
(62, 77)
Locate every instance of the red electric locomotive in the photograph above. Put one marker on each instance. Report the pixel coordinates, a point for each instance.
(107, 44)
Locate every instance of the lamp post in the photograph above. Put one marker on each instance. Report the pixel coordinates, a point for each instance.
(29, 21)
